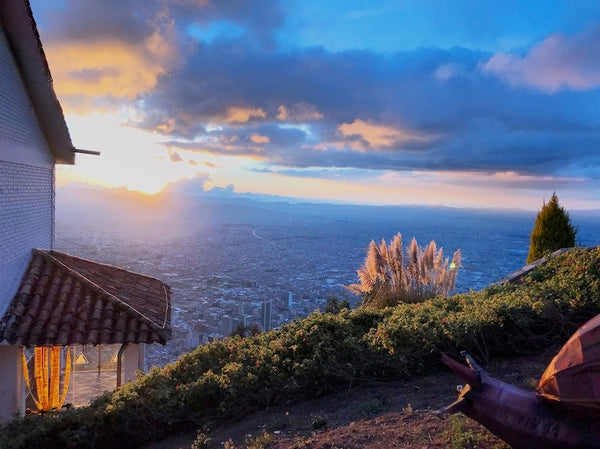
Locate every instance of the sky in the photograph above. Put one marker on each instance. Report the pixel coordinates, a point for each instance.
(455, 103)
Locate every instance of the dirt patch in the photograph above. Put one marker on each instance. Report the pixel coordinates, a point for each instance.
(383, 415)
(419, 430)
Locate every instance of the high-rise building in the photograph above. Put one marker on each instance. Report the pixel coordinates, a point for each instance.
(266, 315)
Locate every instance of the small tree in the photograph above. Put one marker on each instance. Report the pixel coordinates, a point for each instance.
(240, 331)
(552, 230)
(388, 278)
(335, 305)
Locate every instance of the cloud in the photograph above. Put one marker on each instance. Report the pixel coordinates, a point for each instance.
(244, 114)
(300, 112)
(105, 55)
(174, 156)
(259, 20)
(181, 72)
(448, 71)
(426, 109)
(219, 149)
(264, 142)
(257, 138)
(558, 62)
(101, 56)
(502, 180)
(110, 69)
(194, 186)
(378, 136)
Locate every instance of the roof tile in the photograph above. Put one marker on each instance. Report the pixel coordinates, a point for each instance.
(67, 300)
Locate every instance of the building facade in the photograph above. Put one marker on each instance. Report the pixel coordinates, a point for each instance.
(50, 300)
(26, 178)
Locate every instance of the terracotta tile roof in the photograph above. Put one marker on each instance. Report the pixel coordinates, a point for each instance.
(66, 300)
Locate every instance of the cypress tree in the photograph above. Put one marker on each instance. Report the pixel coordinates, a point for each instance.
(552, 230)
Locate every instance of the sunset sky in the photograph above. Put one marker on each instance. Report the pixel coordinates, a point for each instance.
(459, 103)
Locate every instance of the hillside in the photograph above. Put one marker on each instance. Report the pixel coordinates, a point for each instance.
(228, 380)
(387, 415)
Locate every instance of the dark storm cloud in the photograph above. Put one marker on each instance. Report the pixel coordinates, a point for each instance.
(469, 119)
(227, 74)
(132, 21)
(259, 18)
(426, 109)
(239, 142)
(106, 50)
(90, 20)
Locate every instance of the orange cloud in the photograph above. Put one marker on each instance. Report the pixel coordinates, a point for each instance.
(244, 115)
(378, 136)
(166, 126)
(108, 68)
(257, 138)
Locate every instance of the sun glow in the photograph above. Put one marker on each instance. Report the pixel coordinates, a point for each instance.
(129, 158)
(139, 161)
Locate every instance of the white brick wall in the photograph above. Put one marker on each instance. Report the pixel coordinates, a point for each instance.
(26, 179)
(26, 221)
(21, 137)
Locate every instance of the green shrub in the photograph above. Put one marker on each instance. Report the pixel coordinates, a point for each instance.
(201, 441)
(552, 230)
(324, 353)
(335, 305)
(372, 407)
(318, 422)
(548, 307)
(462, 434)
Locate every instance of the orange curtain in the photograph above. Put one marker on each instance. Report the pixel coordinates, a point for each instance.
(47, 368)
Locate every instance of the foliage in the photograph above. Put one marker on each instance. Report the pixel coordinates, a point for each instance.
(335, 305)
(547, 307)
(552, 230)
(201, 441)
(240, 330)
(245, 331)
(461, 435)
(260, 442)
(318, 422)
(388, 278)
(373, 407)
(325, 353)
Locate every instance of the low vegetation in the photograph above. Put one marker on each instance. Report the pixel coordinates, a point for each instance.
(388, 276)
(324, 353)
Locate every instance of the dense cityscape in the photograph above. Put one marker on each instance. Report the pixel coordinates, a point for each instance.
(259, 265)
(217, 287)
